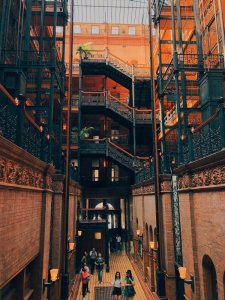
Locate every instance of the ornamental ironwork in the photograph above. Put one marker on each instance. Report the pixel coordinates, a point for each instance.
(176, 222)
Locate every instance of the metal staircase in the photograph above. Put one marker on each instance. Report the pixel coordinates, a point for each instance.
(142, 116)
(108, 148)
(104, 62)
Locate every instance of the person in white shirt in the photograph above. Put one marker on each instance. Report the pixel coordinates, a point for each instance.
(118, 242)
(117, 283)
(93, 256)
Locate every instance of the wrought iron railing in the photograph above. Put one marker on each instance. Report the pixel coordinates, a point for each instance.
(121, 108)
(114, 104)
(145, 174)
(108, 148)
(206, 139)
(116, 62)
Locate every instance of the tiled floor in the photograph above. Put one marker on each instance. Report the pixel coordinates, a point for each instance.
(118, 262)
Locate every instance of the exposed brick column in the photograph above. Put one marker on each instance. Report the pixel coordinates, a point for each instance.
(58, 190)
(170, 283)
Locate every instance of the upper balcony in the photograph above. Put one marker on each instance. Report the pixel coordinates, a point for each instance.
(61, 10)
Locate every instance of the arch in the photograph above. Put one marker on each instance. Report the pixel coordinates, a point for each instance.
(155, 235)
(209, 279)
(101, 205)
(224, 285)
(150, 233)
(147, 236)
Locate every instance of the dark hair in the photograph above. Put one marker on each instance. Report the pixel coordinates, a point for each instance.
(129, 273)
(119, 275)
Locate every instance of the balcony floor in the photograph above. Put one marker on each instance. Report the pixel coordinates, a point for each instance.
(118, 262)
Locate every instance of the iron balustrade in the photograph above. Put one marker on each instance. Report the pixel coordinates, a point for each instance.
(92, 215)
(145, 174)
(16, 126)
(93, 98)
(207, 61)
(110, 59)
(207, 139)
(106, 147)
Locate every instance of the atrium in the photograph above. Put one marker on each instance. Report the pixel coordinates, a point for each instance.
(112, 142)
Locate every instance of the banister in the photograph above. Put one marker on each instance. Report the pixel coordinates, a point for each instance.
(7, 94)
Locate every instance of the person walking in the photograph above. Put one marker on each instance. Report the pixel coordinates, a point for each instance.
(99, 266)
(93, 256)
(118, 242)
(85, 278)
(129, 291)
(117, 290)
(88, 279)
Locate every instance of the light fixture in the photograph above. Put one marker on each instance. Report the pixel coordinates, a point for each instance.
(64, 126)
(192, 129)
(98, 235)
(182, 137)
(48, 136)
(54, 273)
(79, 232)
(153, 246)
(54, 276)
(138, 231)
(71, 247)
(182, 272)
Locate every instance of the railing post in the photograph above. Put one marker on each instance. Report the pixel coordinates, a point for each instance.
(106, 55)
(190, 146)
(20, 128)
(222, 121)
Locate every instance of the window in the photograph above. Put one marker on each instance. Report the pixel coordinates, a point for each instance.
(95, 170)
(131, 30)
(115, 135)
(59, 29)
(115, 30)
(114, 173)
(95, 30)
(76, 29)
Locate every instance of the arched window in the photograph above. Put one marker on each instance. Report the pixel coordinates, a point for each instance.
(150, 233)
(224, 285)
(155, 235)
(209, 279)
(147, 236)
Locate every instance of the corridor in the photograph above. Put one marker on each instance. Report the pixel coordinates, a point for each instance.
(118, 262)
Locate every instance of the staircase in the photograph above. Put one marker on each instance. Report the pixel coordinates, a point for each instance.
(142, 116)
(106, 147)
(104, 62)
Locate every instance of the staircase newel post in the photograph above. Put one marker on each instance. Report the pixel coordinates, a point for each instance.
(106, 55)
(106, 99)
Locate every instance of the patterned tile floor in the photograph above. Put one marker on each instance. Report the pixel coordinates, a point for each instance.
(118, 262)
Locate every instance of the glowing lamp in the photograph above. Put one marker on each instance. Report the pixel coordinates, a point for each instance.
(98, 235)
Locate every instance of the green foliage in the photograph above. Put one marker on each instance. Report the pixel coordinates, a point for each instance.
(84, 49)
(84, 133)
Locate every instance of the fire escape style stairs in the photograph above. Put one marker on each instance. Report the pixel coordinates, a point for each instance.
(104, 62)
(114, 105)
(108, 148)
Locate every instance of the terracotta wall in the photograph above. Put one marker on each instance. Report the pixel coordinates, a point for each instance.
(202, 211)
(25, 199)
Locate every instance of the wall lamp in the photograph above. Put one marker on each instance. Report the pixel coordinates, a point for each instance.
(182, 272)
(54, 276)
(71, 247)
(98, 235)
(139, 233)
(153, 246)
(79, 232)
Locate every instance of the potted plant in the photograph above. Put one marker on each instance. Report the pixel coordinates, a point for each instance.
(84, 50)
(84, 134)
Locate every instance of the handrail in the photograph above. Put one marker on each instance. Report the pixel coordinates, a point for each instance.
(31, 120)
(126, 152)
(8, 95)
(100, 92)
(207, 121)
(124, 104)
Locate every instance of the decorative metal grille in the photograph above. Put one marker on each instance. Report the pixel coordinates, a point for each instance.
(176, 222)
